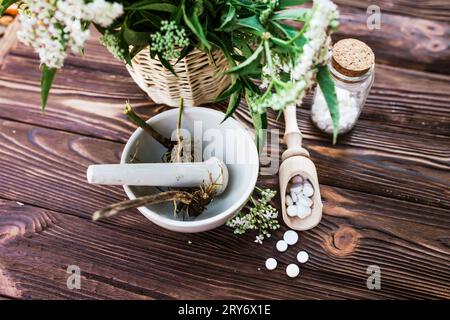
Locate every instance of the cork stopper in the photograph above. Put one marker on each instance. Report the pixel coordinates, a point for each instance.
(352, 58)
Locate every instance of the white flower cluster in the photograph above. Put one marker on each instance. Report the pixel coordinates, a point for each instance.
(262, 217)
(316, 51)
(52, 27)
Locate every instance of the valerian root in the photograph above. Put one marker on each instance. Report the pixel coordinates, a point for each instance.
(112, 210)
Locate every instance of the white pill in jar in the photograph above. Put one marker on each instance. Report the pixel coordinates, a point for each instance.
(282, 246)
(271, 264)
(292, 270)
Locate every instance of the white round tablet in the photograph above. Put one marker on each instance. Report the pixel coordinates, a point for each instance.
(292, 211)
(297, 188)
(308, 189)
(289, 201)
(304, 201)
(297, 179)
(291, 237)
(303, 211)
(294, 197)
(271, 263)
(282, 246)
(302, 256)
(292, 270)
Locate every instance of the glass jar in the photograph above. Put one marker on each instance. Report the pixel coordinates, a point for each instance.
(351, 92)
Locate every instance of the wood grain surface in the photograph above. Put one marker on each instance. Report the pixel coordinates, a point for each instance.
(385, 186)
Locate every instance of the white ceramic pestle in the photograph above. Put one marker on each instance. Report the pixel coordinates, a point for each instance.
(296, 161)
(182, 174)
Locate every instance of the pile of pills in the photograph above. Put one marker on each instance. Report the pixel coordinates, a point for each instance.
(299, 197)
(289, 239)
(348, 111)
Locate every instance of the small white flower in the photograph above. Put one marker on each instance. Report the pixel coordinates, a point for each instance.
(262, 217)
(52, 27)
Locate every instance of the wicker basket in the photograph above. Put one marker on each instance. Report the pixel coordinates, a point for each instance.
(199, 80)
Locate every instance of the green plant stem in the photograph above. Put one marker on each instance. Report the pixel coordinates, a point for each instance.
(166, 142)
(305, 26)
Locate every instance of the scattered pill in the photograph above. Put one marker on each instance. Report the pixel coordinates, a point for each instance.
(291, 237)
(289, 201)
(303, 211)
(302, 256)
(292, 211)
(297, 179)
(308, 189)
(292, 270)
(282, 245)
(271, 264)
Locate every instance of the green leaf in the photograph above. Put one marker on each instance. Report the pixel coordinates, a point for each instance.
(252, 23)
(228, 18)
(196, 27)
(125, 48)
(297, 14)
(233, 103)
(289, 3)
(4, 4)
(326, 84)
(235, 87)
(185, 52)
(148, 5)
(167, 65)
(290, 32)
(249, 60)
(152, 19)
(135, 38)
(250, 86)
(260, 124)
(136, 50)
(47, 76)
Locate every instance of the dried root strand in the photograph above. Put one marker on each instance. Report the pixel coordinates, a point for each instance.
(183, 197)
(201, 197)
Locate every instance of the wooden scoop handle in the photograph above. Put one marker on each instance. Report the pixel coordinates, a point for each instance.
(292, 134)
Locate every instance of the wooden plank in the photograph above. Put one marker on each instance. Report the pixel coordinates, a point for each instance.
(401, 41)
(418, 165)
(427, 9)
(30, 274)
(91, 102)
(46, 168)
(358, 230)
(8, 40)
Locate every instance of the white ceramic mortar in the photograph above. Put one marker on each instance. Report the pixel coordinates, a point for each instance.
(228, 141)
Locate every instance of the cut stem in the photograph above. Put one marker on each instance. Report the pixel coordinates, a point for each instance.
(166, 142)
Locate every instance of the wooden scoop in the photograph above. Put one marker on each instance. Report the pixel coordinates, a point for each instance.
(181, 174)
(296, 161)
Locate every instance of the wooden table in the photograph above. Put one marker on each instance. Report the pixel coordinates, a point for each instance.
(385, 185)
